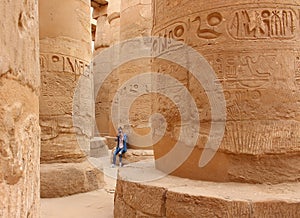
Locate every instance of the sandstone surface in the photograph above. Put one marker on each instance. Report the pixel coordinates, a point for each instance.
(66, 100)
(19, 110)
(179, 197)
(253, 49)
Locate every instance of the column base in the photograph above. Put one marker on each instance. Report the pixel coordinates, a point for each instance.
(178, 197)
(63, 179)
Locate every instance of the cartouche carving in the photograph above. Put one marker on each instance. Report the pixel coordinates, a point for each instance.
(263, 23)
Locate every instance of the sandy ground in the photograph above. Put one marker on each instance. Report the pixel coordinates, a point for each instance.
(96, 204)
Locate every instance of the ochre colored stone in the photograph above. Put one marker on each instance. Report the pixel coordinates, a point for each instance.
(102, 39)
(144, 198)
(179, 197)
(127, 19)
(98, 147)
(58, 180)
(134, 155)
(253, 48)
(108, 33)
(19, 110)
(123, 210)
(136, 19)
(111, 141)
(65, 55)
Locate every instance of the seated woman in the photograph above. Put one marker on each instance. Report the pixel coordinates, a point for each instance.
(121, 147)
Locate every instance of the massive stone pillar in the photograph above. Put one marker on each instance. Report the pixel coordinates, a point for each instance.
(113, 16)
(136, 18)
(65, 54)
(254, 50)
(107, 34)
(135, 22)
(126, 19)
(19, 110)
(103, 100)
(102, 37)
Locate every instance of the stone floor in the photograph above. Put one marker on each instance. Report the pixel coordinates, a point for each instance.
(89, 205)
(94, 204)
(185, 198)
(143, 191)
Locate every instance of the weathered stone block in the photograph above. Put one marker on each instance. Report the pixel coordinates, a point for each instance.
(98, 147)
(146, 199)
(177, 197)
(180, 204)
(58, 180)
(276, 209)
(123, 210)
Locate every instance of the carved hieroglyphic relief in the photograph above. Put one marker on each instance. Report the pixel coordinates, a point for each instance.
(234, 99)
(18, 138)
(263, 23)
(201, 24)
(270, 138)
(204, 25)
(243, 70)
(63, 63)
(297, 70)
(238, 23)
(244, 78)
(177, 31)
(19, 126)
(212, 20)
(10, 148)
(60, 75)
(252, 47)
(54, 85)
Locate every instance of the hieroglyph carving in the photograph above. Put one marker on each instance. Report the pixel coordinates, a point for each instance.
(297, 70)
(244, 77)
(201, 25)
(263, 23)
(242, 24)
(63, 63)
(244, 71)
(19, 141)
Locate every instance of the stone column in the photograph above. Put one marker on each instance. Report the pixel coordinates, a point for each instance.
(102, 37)
(254, 50)
(136, 18)
(102, 41)
(135, 21)
(107, 34)
(65, 55)
(19, 110)
(113, 15)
